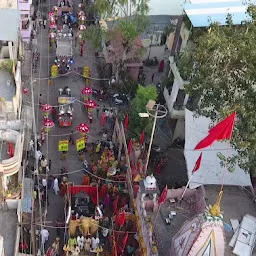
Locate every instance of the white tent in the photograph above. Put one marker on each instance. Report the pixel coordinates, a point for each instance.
(211, 171)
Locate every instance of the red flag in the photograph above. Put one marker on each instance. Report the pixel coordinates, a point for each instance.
(11, 150)
(163, 196)
(126, 122)
(198, 163)
(222, 131)
(120, 219)
(129, 146)
(142, 137)
(115, 204)
(124, 241)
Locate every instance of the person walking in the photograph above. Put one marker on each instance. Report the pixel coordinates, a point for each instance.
(107, 115)
(58, 226)
(40, 100)
(56, 186)
(44, 182)
(152, 77)
(42, 136)
(104, 138)
(98, 111)
(90, 119)
(50, 164)
(44, 23)
(44, 235)
(45, 198)
(43, 163)
(54, 112)
(71, 138)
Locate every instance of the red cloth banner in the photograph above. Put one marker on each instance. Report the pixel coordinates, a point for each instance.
(91, 192)
(124, 241)
(222, 131)
(198, 163)
(103, 191)
(163, 196)
(120, 219)
(126, 122)
(129, 147)
(11, 150)
(115, 203)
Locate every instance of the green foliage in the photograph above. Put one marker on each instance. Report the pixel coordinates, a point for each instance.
(132, 20)
(185, 64)
(94, 34)
(223, 80)
(121, 8)
(7, 66)
(138, 105)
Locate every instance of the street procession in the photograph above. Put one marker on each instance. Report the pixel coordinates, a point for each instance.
(83, 129)
(127, 128)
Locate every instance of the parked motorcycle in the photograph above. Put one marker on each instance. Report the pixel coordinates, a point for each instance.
(151, 62)
(121, 99)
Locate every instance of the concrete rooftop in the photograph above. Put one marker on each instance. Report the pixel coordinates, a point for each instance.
(7, 87)
(236, 202)
(8, 4)
(8, 223)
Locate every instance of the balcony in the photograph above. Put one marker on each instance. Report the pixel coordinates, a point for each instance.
(26, 27)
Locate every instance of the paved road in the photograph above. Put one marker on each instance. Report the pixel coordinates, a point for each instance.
(50, 148)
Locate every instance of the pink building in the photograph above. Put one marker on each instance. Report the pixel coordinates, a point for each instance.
(26, 11)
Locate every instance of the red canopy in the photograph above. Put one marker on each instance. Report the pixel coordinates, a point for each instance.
(83, 127)
(89, 190)
(86, 91)
(91, 104)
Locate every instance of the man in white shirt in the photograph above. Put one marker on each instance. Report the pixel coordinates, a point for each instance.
(44, 182)
(44, 235)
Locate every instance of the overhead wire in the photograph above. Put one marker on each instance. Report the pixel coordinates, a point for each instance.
(72, 72)
(48, 101)
(35, 124)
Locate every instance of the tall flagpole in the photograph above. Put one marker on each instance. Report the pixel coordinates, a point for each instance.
(158, 211)
(186, 186)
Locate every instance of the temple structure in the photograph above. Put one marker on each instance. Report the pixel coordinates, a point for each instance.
(203, 235)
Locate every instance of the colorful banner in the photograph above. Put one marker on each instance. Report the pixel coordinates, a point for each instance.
(80, 144)
(66, 100)
(63, 146)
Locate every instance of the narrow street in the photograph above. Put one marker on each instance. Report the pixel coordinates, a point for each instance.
(49, 93)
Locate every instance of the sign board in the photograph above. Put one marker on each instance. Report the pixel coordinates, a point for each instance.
(66, 100)
(80, 144)
(63, 146)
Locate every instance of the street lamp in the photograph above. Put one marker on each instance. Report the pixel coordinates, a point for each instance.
(159, 112)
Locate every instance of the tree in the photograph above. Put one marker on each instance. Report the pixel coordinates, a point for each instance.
(123, 31)
(223, 80)
(138, 105)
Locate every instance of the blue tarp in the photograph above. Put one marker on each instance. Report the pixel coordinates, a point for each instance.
(26, 204)
(73, 18)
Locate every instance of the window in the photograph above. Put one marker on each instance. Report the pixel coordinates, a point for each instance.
(25, 24)
(24, 16)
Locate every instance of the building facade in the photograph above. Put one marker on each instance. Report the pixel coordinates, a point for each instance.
(26, 11)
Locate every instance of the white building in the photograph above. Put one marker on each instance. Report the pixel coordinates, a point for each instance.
(22, 8)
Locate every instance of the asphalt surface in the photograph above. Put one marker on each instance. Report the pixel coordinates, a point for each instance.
(49, 93)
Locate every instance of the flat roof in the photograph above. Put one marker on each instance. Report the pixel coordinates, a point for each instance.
(7, 86)
(204, 14)
(11, 31)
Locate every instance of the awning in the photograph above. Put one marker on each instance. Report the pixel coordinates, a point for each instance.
(211, 171)
(203, 14)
